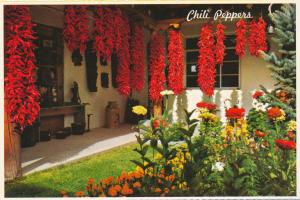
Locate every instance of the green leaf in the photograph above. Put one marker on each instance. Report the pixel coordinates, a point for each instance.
(272, 175)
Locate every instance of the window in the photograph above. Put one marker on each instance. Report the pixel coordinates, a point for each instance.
(227, 76)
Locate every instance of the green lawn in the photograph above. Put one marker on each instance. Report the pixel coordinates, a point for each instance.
(73, 177)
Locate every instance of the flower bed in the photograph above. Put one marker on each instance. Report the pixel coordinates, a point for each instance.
(246, 156)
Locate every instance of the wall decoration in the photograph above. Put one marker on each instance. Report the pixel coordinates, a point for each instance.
(103, 32)
(220, 47)
(123, 73)
(157, 67)
(261, 39)
(240, 38)
(176, 61)
(253, 33)
(114, 69)
(104, 80)
(206, 60)
(91, 67)
(20, 91)
(76, 32)
(137, 47)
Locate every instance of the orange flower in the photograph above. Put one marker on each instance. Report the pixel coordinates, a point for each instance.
(173, 187)
(79, 194)
(90, 181)
(138, 175)
(126, 190)
(157, 190)
(166, 190)
(170, 178)
(259, 133)
(291, 135)
(137, 185)
(118, 188)
(108, 180)
(274, 112)
(112, 192)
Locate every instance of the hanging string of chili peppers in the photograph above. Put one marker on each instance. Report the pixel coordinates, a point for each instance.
(176, 61)
(20, 70)
(220, 47)
(137, 47)
(240, 38)
(76, 33)
(157, 67)
(206, 60)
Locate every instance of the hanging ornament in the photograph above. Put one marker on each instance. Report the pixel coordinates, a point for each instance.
(206, 61)
(137, 47)
(123, 55)
(76, 33)
(220, 47)
(240, 38)
(253, 33)
(157, 67)
(261, 39)
(176, 61)
(103, 32)
(20, 69)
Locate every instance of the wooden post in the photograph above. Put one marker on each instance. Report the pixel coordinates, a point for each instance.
(157, 109)
(12, 151)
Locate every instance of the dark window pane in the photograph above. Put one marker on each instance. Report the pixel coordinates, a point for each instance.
(230, 55)
(191, 81)
(217, 69)
(191, 57)
(191, 69)
(191, 43)
(217, 83)
(230, 68)
(230, 81)
(229, 41)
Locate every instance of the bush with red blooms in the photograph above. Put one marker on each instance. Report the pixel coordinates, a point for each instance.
(274, 112)
(157, 67)
(257, 94)
(286, 144)
(220, 47)
(123, 74)
(20, 70)
(235, 113)
(208, 106)
(259, 133)
(240, 38)
(206, 61)
(137, 47)
(176, 61)
(76, 33)
(103, 32)
(156, 123)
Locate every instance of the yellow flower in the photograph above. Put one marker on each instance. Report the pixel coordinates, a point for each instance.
(208, 116)
(139, 110)
(158, 156)
(282, 117)
(292, 125)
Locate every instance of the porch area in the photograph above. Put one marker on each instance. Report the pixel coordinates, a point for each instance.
(56, 152)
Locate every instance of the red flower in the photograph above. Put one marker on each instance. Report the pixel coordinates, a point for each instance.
(137, 47)
(240, 38)
(20, 70)
(209, 106)
(157, 67)
(235, 113)
(257, 94)
(259, 133)
(220, 47)
(206, 61)
(176, 61)
(291, 135)
(156, 123)
(286, 144)
(274, 112)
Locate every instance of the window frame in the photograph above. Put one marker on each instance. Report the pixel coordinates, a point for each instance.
(220, 73)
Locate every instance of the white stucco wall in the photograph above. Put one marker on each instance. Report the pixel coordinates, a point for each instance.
(253, 72)
(97, 100)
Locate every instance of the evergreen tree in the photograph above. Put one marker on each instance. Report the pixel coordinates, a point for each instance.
(284, 60)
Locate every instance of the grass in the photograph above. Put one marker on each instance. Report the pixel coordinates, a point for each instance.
(72, 177)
